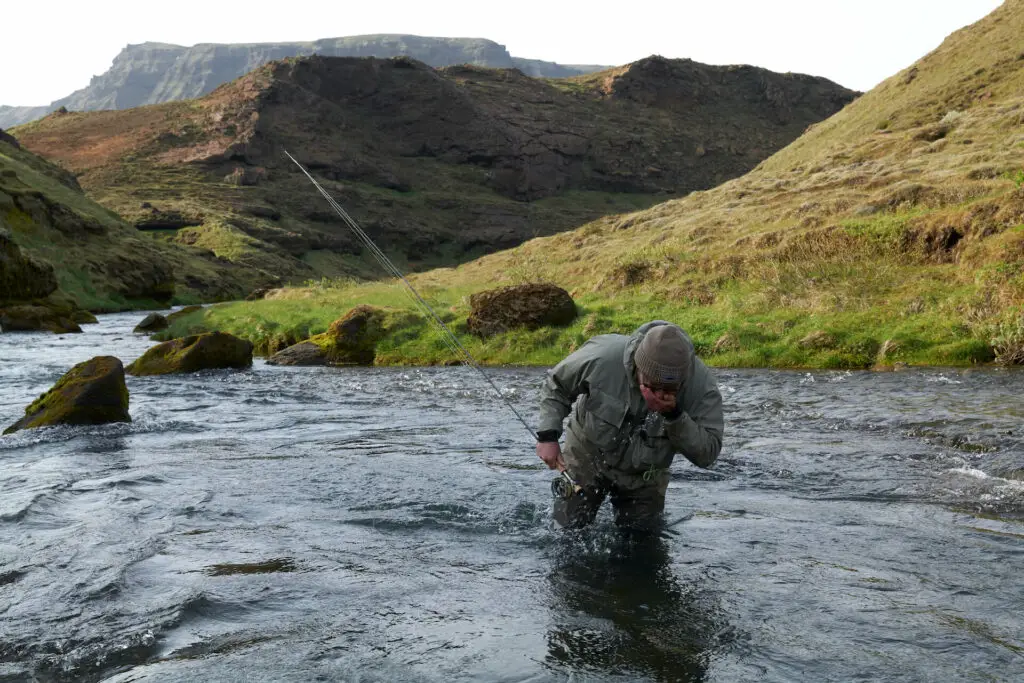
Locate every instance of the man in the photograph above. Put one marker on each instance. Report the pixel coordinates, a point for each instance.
(635, 402)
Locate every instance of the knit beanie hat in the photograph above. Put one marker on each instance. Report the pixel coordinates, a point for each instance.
(663, 355)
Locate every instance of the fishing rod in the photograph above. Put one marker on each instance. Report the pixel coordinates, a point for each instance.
(450, 340)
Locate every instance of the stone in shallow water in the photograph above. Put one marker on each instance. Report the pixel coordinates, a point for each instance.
(196, 352)
(90, 393)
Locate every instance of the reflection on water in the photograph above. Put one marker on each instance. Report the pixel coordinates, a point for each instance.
(617, 608)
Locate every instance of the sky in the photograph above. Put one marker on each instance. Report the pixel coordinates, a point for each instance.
(52, 49)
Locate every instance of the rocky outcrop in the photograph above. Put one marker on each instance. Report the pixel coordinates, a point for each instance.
(197, 352)
(92, 392)
(10, 140)
(351, 340)
(22, 277)
(150, 73)
(519, 306)
(154, 322)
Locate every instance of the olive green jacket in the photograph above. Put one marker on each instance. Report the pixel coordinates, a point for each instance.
(610, 419)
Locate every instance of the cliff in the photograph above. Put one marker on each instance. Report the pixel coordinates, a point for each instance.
(151, 73)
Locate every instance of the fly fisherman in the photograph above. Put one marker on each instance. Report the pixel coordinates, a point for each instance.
(639, 400)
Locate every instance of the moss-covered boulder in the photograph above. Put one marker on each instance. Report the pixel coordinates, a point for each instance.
(197, 352)
(351, 340)
(528, 306)
(90, 393)
(37, 318)
(154, 322)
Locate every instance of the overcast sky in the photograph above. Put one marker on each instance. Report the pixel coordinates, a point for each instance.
(50, 49)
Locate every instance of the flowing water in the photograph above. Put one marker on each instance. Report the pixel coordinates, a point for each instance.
(381, 524)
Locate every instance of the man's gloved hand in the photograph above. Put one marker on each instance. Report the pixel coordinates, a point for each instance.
(551, 453)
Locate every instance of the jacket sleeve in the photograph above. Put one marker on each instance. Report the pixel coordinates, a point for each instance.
(562, 385)
(697, 432)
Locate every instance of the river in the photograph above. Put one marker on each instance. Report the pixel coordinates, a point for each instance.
(393, 524)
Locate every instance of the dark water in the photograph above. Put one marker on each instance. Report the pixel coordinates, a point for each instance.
(393, 525)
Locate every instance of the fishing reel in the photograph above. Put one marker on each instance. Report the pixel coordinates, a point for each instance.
(564, 487)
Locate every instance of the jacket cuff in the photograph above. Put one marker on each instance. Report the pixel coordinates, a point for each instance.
(548, 435)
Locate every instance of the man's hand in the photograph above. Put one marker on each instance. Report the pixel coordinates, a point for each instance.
(658, 401)
(551, 453)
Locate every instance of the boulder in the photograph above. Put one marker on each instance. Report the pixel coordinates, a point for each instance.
(530, 306)
(196, 352)
(188, 310)
(90, 393)
(154, 322)
(351, 340)
(37, 318)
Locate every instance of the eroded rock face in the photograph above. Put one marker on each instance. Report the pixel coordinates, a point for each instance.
(21, 277)
(197, 352)
(92, 392)
(351, 340)
(37, 318)
(530, 306)
(154, 322)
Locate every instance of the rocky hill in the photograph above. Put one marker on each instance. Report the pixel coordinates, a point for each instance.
(151, 73)
(58, 248)
(438, 165)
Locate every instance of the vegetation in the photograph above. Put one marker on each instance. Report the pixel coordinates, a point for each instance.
(859, 245)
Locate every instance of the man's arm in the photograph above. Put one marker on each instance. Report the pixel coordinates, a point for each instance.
(697, 433)
(562, 385)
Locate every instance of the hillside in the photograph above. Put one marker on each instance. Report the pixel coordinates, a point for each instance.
(151, 73)
(59, 247)
(891, 233)
(440, 165)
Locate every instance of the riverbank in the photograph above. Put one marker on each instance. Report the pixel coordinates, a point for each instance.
(728, 332)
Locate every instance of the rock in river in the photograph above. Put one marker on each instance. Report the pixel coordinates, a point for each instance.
(90, 393)
(196, 352)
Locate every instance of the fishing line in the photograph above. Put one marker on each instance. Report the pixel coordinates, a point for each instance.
(450, 340)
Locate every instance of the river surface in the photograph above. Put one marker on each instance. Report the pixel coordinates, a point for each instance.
(383, 524)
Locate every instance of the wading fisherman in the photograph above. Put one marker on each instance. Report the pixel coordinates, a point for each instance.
(635, 402)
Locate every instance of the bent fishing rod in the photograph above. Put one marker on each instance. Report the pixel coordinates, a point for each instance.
(450, 340)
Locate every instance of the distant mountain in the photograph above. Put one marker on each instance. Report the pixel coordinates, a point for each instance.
(152, 73)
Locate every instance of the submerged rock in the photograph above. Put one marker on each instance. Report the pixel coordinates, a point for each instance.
(351, 340)
(531, 306)
(90, 393)
(154, 322)
(197, 352)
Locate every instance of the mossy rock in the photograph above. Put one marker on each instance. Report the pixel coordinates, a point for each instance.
(208, 351)
(90, 393)
(84, 317)
(38, 318)
(351, 340)
(520, 306)
(154, 322)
